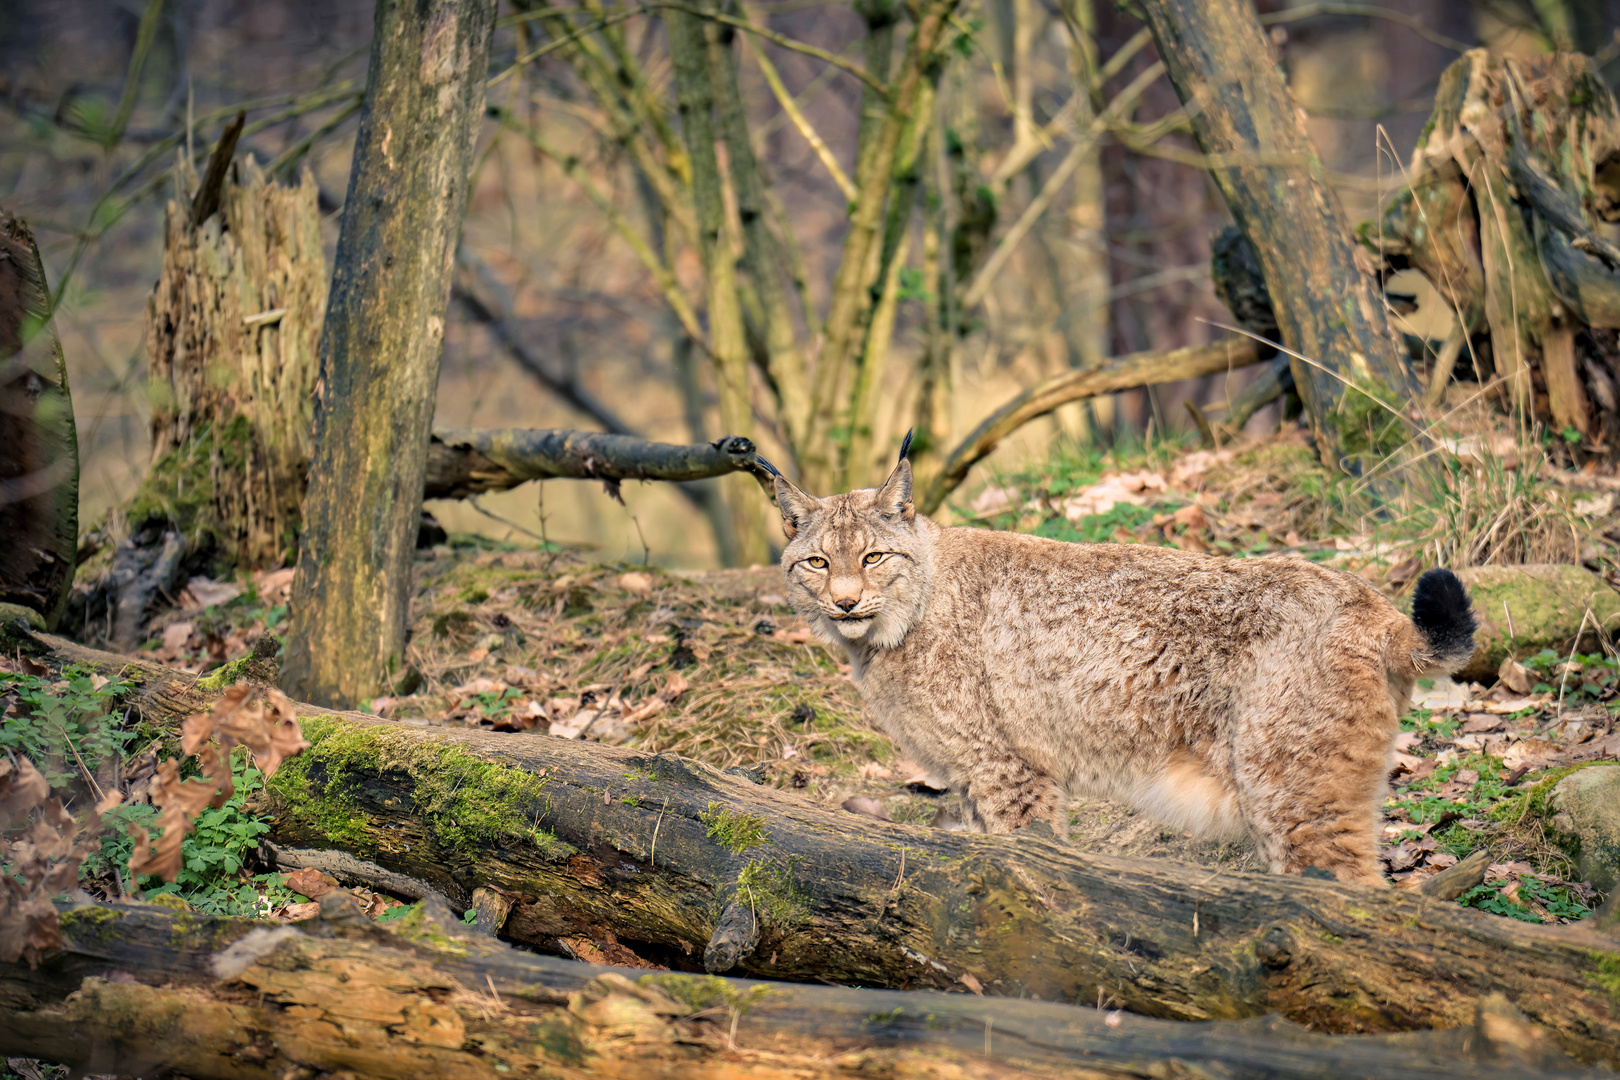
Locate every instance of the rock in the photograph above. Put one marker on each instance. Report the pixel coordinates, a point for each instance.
(1544, 604)
(1589, 800)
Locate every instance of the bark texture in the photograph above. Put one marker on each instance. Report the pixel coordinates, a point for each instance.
(1327, 301)
(39, 446)
(1517, 168)
(462, 463)
(381, 345)
(232, 329)
(140, 990)
(656, 860)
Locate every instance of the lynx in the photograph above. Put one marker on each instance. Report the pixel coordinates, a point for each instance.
(1222, 696)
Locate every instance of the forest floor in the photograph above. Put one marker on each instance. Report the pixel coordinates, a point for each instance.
(715, 666)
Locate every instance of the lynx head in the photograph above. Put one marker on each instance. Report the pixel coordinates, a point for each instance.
(858, 565)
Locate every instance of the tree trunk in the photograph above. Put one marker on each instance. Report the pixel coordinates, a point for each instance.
(426, 996)
(39, 446)
(231, 334)
(669, 862)
(1516, 169)
(1327, 301)
(462, 463)
(381, 344)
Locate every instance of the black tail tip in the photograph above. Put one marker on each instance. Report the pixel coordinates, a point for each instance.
(1440, 609)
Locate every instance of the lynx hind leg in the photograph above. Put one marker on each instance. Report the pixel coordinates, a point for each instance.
(1312, 778)
(1005, 793)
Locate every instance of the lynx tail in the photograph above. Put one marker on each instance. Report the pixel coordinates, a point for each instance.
(1442, 614)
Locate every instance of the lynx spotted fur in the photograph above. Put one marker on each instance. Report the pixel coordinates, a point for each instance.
(1222, 696)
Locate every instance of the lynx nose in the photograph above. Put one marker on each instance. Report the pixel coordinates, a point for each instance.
(845, 605)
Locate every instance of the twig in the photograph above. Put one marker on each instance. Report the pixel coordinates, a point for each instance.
(811, 136)
(652, 856)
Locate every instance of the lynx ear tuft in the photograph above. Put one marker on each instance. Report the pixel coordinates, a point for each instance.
(905, 444)
(797, 508)
(894, 497)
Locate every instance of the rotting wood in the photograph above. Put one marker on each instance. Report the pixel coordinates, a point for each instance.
(1509, 181)
(462, 463)
(566, 830)
(1121, 373)
(39, 449)
(141, 990)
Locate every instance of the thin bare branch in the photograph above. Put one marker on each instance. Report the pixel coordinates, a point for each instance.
(795, 114)
(1122, 373)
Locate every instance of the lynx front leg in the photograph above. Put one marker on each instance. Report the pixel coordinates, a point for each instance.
(1006, 793)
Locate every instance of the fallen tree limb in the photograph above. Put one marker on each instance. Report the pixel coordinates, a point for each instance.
(654, 854)
(1123, 373)
(141, 990)
(469, 462)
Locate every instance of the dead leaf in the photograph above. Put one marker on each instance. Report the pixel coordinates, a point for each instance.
(22, 787)
(311, 882)
(636, 582)
(873, 771)
(1467, 777)
(973, 984)
(864, 804)
(1191, 516)
(1514, 676)
(675, 686)
(1406, 740)
(201, 592)
(1481, 722)
(175, 636)
(477, 655)
(1405, 763)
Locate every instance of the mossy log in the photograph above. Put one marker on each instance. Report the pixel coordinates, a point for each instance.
(1327, 303)
(39, 450)
(141, 990)
(462, 463)
(664, 861)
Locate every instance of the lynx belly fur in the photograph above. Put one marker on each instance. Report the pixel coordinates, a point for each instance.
(1222, 696)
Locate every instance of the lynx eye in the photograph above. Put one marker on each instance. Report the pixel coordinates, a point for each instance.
(872, 558)
(817, 561)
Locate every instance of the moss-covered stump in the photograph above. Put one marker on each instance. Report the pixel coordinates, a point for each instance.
(655, 859)
(1524, 609)
(139, 990)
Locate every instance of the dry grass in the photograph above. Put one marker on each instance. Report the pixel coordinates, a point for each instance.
(571, 635)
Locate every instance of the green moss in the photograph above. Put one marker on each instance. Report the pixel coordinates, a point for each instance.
(465, 801)
(90, 923)
(733, 831)
(179, 488)
(699, 992)
(1607, 975)
(415, 926)
(227, 675)
(1533, 803)
(769, 888)
(1366, 427)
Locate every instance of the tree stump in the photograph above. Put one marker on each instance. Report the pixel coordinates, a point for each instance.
(232, 335)
(1519, 161)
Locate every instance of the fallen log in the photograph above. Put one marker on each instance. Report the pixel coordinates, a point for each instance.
(141, 990)
(679, 865)
(469, 462)
(1121, 373)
